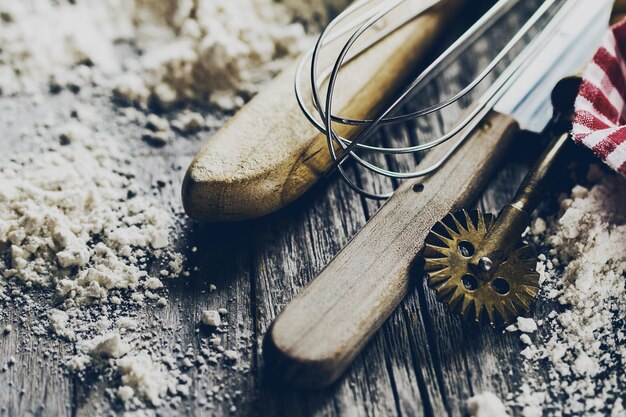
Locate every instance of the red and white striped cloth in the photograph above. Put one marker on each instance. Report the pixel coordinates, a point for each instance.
(600, 108)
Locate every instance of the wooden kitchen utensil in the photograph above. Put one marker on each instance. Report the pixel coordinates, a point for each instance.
(268, 154)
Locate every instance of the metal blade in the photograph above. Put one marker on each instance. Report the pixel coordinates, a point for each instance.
(578, 37)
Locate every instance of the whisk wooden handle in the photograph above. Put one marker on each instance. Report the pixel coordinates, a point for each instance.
(320, 332)
(268, 154)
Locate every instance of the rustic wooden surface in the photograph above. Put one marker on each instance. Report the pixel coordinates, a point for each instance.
(423, 361)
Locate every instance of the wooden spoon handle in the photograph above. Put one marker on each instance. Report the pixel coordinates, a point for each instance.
(320, 332)
(268, 154)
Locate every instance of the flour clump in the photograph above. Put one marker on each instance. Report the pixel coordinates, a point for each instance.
(486, 404)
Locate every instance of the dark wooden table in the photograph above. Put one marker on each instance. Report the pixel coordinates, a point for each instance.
(423, 361)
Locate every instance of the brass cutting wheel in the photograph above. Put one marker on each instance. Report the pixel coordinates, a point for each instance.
(496, 298)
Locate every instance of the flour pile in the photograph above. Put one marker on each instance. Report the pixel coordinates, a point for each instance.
(72, 219)
(584, 350)
(77, 237)
(156, 52)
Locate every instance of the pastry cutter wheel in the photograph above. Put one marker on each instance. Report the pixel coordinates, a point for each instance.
(478, 263)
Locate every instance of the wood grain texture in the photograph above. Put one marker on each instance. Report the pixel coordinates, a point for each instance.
(423, 361)
(268, 154)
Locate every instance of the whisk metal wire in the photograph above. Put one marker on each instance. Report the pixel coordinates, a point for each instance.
(325, 118)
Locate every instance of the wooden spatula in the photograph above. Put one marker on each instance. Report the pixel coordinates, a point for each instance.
(268, 154)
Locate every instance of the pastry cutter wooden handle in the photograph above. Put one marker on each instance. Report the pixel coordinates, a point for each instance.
(268, 154)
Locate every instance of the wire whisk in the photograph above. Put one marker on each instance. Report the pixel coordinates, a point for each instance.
(365, 14)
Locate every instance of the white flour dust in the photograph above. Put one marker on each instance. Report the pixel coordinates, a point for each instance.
(68, 221)
(159, 52)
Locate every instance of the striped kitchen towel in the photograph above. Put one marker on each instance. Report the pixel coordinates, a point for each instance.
(600, 108)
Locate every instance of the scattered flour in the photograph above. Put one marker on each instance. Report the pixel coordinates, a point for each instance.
(178, 51)
(144, 376)
(42, 39)
(76, 238)
(67, 222)
(538, 226)
(583, 349)
(85, 254)
(108, 346)
(231, 355)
